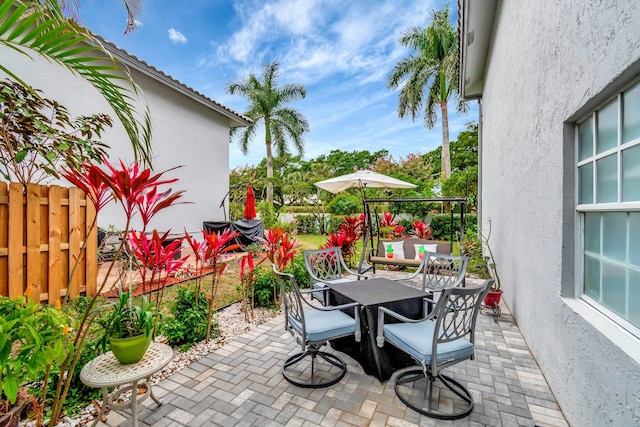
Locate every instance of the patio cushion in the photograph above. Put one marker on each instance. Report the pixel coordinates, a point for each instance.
(417, 340)
(397, 248)
(323, 325)
(427, 248)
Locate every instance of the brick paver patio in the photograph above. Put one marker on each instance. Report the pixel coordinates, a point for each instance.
(241, 384)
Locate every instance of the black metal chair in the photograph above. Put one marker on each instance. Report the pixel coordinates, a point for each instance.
(312, 328)
(327, 266)
(443, 338)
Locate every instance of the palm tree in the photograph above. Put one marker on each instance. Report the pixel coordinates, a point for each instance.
(268, 105)
(429, 78)
(43, 27)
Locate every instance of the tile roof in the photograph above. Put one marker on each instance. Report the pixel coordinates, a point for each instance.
(148, 69)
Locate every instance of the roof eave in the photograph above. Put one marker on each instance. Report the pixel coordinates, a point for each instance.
(475, 31)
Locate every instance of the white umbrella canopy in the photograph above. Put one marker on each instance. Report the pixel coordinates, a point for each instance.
(362, 179)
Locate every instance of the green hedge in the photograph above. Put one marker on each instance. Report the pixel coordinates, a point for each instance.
(441, 225)
(334, 223)
(307, 224)
(263, 287)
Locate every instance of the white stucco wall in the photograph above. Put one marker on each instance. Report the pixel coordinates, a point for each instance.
(549, 60)
(185, 133)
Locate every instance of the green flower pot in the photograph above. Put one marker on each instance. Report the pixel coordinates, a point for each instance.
(130, 350)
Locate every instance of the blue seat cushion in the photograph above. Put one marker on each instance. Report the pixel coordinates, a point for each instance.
(325, 325)
(417, 340)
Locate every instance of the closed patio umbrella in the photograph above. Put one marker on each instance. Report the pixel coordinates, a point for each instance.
(250, 204)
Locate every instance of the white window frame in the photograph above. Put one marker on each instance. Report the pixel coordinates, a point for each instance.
(618, 206)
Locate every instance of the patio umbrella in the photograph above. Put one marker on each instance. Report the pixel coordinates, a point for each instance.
(362, 179)
(250, 204)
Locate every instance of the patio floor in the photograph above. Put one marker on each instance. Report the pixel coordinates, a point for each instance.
(241, 384)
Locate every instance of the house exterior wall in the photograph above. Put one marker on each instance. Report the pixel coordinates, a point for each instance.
(550, 62)
(185, 133)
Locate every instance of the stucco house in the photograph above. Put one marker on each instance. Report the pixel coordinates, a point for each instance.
(559, 89)
(188, 130)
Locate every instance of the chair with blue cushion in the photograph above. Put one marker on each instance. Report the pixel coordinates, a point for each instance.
(312, 329)
(443, 338)
(327, 266)
(440, 271)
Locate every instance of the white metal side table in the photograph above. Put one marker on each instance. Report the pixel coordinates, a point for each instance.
(105, 371)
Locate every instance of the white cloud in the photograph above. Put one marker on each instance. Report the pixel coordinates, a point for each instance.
(314, 39)
(138, 23)
(176, 36)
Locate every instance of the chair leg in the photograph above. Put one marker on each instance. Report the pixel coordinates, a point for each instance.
(314, 379)
(437, 388)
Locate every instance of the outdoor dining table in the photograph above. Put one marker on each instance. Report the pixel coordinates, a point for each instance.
(371, 294)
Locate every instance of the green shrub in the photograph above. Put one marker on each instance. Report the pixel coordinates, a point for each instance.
(289, 227)
(345, 204)
(299, 271)
(188, 323)
(441, 225)
(334, 223)
(33, 337)
(268, 214)
(407, 224)
(263, 289)
(307, 224)
(79, 394)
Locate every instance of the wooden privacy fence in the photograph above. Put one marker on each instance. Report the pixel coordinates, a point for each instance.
(43, 230)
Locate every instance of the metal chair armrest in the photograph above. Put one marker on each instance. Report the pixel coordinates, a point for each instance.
(381, 312)
(419, 271)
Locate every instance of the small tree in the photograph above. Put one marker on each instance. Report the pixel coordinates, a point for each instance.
(38, 136)
(216, 246)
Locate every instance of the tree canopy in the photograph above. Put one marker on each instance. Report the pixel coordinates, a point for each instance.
(268, 106)
(428, 77)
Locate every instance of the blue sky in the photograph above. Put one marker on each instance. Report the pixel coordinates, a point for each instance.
(341, 50)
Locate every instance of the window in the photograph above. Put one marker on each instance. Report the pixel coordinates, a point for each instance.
(608, 195)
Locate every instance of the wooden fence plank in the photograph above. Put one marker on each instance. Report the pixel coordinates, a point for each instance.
(43, 235)
(33, 240)
(91, 250)
(4, 238)
(75, 240)
(56, 279)
(16, 242)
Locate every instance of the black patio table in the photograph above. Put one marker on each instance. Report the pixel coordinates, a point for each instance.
(371, 294)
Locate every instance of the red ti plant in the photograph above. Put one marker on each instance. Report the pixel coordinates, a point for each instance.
(387, 220)
(387, 225)
(129, 186)
(280, 251)
(136, 188)
(214, 249)
(398, 231)
(247, 276)
(157, 257)
(198, 249)
(348, 234)
(421, 230)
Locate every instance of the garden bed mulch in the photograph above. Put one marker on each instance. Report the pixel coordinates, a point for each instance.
(138, 289)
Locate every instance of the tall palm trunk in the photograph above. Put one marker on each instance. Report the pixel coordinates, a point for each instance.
(267, 130)
(446, 155)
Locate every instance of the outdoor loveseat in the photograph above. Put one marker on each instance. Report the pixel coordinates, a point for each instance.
(402, 252)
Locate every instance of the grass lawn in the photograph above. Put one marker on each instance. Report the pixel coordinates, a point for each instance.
(229, 290)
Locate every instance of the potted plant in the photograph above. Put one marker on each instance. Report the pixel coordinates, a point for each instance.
(483, 266)
(128, 327)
